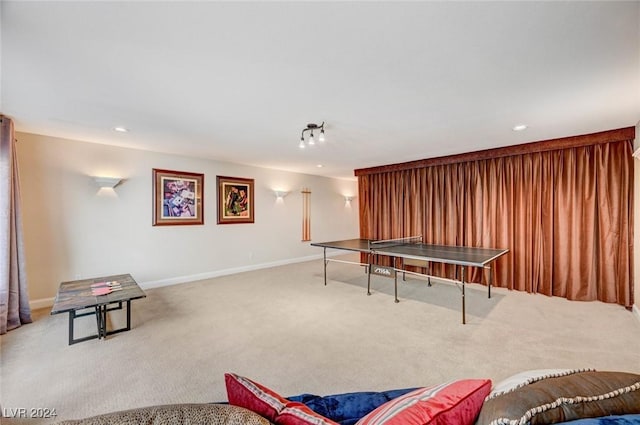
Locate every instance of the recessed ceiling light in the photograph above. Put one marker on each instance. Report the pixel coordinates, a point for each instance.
(319, 165)
(121, 129)
(520, 127)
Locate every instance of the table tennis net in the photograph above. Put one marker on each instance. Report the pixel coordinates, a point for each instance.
(388, 243)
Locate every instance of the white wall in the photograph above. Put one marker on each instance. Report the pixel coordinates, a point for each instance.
(74, 230)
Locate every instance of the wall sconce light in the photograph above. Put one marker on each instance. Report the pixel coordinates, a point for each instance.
(349, 198)
(311, 141)
(109, 182)
(280, 193)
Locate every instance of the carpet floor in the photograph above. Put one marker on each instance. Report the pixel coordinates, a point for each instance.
(283, 328)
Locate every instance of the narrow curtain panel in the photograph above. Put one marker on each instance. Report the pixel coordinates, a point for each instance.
(566, 216)
(14, 300)
(386, 195)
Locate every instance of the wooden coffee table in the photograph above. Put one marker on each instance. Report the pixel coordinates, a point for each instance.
(77, 295)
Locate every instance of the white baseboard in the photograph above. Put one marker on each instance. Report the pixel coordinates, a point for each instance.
(223, 272)
(48, 302)
(41, 303)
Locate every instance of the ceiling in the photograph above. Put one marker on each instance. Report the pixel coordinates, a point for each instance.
(393, 81)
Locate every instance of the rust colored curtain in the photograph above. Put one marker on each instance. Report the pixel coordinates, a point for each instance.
(566, 216)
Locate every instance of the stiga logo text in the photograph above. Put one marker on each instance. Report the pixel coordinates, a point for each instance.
(383, 271)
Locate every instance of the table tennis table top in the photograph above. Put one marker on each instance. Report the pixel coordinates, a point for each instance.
(449, 254)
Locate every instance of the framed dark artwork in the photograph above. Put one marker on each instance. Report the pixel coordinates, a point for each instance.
(178, 198)
(235, 200)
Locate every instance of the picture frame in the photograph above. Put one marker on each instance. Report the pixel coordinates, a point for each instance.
(235, 200)
(178, 198)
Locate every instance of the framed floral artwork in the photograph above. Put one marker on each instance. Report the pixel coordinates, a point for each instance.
(235, 200)
(178, 198)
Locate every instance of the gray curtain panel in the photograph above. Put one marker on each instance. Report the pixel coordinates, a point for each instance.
(14, 300)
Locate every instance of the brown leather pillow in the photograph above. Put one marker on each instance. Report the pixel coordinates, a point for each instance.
(552, 400)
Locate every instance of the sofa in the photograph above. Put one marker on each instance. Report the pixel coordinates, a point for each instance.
(549, 396)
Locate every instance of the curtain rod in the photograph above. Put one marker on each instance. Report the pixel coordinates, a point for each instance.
(618, 135)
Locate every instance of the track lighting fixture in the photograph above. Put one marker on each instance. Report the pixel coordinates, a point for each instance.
(311, 141)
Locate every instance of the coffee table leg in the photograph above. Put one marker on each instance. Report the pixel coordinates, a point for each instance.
(72, 317)
(104, 321)
(101, 314)
(128, 315)
(99, 320)
(97, 313)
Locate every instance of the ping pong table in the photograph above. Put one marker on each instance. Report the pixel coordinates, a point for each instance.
(417, 253)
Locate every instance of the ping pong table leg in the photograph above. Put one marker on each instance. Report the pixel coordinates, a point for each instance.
(369, 273)
(325, 265)
(490, 282)
(463, 303)
(395, 285)
(395, 275)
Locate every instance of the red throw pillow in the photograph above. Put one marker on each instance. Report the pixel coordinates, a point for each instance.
(245, 393)
(267, 403)
(457, 402)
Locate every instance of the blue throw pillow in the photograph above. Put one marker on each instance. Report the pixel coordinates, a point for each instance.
(607, 420)
(348, 408)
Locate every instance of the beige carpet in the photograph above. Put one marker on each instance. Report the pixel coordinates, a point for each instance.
(285, 329)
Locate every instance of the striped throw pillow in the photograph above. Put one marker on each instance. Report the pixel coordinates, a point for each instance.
(457, 402)
(299, 414)
(246, 393)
